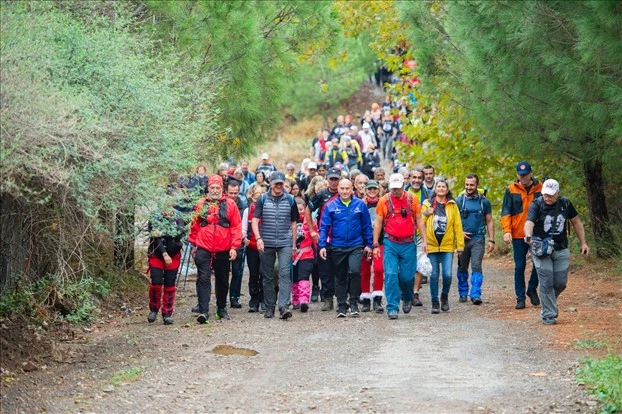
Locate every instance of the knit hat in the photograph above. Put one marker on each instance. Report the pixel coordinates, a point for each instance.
(215, 179)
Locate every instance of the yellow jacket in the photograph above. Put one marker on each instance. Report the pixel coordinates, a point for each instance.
(454, 235)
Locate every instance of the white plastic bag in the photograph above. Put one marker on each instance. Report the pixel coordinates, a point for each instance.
(424, 266)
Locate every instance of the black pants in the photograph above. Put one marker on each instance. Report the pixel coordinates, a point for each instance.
(220, 263)
(346, 266)
(327, 276)
(255, 281)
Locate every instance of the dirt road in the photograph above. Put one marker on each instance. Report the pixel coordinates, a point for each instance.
(465, 360)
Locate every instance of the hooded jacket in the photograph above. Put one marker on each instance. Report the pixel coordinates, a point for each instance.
(515, 206)
(216, 228)
(454, 236)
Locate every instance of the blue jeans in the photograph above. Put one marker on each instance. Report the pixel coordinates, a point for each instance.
(520, 263)
(445, 261)
(400, 264)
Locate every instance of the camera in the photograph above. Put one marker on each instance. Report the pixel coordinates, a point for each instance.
(404, 212)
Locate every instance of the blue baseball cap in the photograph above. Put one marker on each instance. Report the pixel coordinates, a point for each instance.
(523, 168)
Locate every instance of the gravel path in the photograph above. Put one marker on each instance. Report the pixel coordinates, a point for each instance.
(465, 360)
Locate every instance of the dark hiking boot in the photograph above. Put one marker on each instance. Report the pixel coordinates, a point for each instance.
(366, 305)
(378, 308)
(296, 307)
(315, 293)
(416, 300)
(304, 307)
(284, 313)
(223, 314)
(476, 301)
(354, 310)
(152, 317)
(463, 299)
(444, 302)
(533, 297)
(235, 303)
(328, 304)
(407, 305)
(202, 318)
(393, 315)
(269, 312)
(167, 319)
(196, 309)
(520, 304)
(436, 307)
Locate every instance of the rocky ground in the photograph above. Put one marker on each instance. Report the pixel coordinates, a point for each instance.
(489, 359)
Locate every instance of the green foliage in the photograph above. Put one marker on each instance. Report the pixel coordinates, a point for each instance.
(604, 378)
(589, 344)
(130, 374)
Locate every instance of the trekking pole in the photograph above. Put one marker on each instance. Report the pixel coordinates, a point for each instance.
(181, 266)
(190, 247)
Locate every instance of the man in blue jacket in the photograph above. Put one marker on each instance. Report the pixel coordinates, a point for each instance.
(346, 231)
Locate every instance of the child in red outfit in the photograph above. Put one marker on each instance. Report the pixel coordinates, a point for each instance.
(303, 262)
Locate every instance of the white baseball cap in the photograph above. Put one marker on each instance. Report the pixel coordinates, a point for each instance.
(312, 165)
(550, 187)
(265, 156)
(396, 181)
(366, 125)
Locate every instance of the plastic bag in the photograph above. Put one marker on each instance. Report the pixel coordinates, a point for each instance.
(424, 266)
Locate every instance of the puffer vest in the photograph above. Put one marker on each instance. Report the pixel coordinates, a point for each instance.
(276, 221)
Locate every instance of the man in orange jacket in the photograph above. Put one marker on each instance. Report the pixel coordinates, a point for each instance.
(216, 231)
(516, 200)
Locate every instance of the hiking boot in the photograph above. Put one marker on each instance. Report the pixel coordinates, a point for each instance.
(463, 299)
(284, 313)
(328, 304)
(296, 307)
(235, 303)
(304, 307)
(416, 301)
(152, 316)
(549, 321)
(167, 320)
(520, 304)
(407, 305)
(196, 309)
(202, 318)
(366, 305)
(424, 280)
(392, 315)
(269, 312)
(223, 314)
(342, 311)
(533, 297)
(253, 308)
(436, 307)
(476, 301)
(378, 308)
(315, 293)
(354, 310)
(444, 302)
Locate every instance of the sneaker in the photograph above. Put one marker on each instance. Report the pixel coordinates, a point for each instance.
(378, 308)
(393, 315)
(436, 307)
(463, 299)
(444, 303)
(342, 311)
(520, 304)
(315, 293)
(195, 309)
(284, 313)
(476, 301)
(328, 304)
(152, 317)
(167, 320)
(304, 307)
(235, 304)
(407, 306)
(549, 321)
(269, 312)
(222, 314)
(366, 305)
(253, 308)
(533, 297)
(354, 310)
(424, 280)
(202, 318)
(416, 301)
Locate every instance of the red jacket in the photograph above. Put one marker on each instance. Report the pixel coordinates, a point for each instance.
(209, 230)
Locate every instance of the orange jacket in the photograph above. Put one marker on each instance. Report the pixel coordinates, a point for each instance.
(515, 206)
(216, 226)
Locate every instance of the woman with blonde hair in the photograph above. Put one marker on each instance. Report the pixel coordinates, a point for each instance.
(445, 236)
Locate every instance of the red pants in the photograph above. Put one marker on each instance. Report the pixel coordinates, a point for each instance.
(366, 266)
(162, 289)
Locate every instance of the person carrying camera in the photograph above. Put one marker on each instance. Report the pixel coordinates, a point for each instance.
(398, 212)
(545, 233)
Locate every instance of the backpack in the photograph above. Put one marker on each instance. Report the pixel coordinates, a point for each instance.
(390, 207)
(461, 200)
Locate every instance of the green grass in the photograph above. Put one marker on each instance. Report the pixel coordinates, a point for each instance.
(589, 344)
(603, 377)
(130, 374)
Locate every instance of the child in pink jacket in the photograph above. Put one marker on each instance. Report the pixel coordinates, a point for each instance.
(304, 256)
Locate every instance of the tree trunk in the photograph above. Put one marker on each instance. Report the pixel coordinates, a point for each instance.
(597, 207)
(124, 239)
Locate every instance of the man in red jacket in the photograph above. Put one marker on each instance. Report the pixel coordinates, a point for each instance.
(216, 231)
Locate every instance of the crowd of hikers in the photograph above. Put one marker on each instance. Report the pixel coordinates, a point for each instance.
(342, 230)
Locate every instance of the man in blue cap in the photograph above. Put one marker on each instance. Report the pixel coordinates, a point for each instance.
(516, 200)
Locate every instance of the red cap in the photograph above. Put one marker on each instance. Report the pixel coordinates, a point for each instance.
(215, 179)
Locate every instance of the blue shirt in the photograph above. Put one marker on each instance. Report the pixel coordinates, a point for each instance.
(473, 212)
